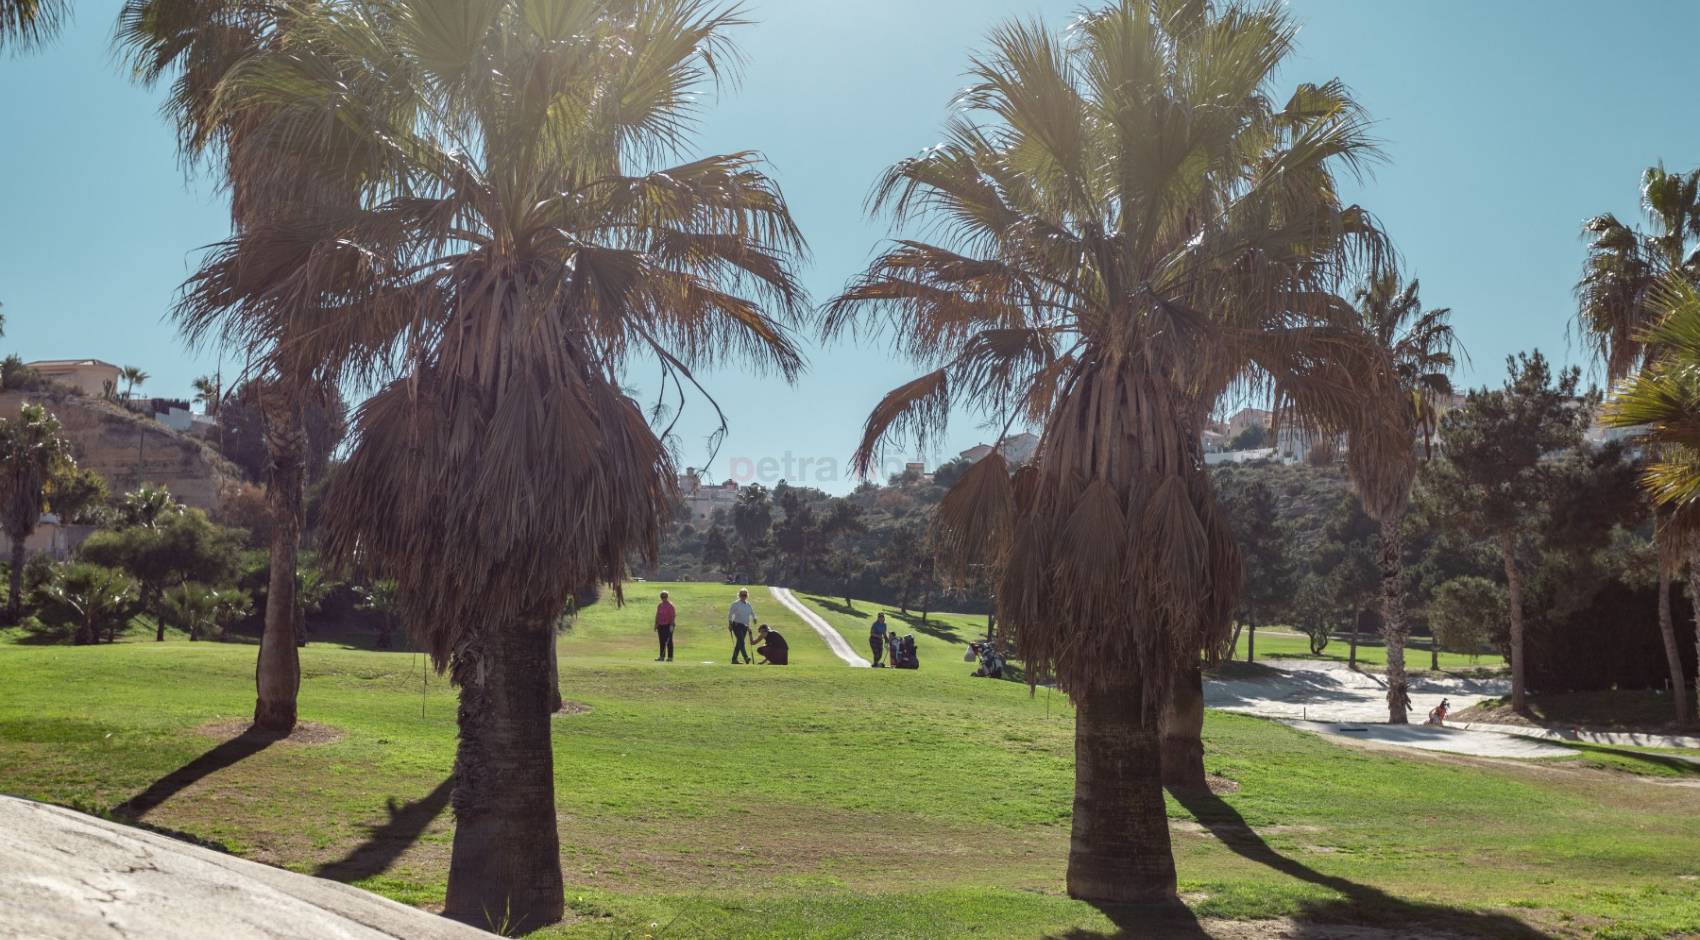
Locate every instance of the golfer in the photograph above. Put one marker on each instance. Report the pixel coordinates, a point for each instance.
(738, 619)
(876, 639)
(665, 619)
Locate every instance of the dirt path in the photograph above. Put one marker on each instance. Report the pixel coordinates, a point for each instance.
(834, 640)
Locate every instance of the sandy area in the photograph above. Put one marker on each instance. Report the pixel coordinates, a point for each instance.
(1330, 698)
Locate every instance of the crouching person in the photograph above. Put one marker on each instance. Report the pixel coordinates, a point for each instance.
(771, 647)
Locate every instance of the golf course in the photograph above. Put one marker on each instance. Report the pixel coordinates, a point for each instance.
(818, 800)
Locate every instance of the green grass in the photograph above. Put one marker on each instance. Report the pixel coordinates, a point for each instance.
(901, 804)
(1281, 643)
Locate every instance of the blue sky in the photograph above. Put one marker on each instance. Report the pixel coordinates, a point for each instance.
(1505, 124)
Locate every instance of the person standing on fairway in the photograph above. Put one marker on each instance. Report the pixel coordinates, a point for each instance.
(665, 618)
(738, 620)
(876, 639)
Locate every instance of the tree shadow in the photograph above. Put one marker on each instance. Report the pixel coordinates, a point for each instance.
(837, 607)
(1359, 904)
(931, 627)
(221, 757)
(1675, 763)
(1139, 922)
(385, 842)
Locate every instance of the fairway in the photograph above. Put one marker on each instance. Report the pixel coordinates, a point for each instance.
(823, 801)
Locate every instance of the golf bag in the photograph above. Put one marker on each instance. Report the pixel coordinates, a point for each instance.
(991, 664)
(902, 652)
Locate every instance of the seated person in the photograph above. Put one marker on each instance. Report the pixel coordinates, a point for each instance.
(1437, 715)
(771, 647)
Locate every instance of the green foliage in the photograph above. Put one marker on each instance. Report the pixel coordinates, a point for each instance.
(200, 609)
(165, 545)
(1492, 478)
(15, 376)
(1255, 437)
(80, 498)
(95, 601)
(1467, 614)
(1315, 612)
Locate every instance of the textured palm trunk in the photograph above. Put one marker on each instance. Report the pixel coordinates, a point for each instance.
(1119, 850)
(15, 597)
(505, 870)
(554, 700)
(1693, 593)
(278, 674)
(1514, 592)
(1183, 733)
(1673, 652)
(1395, 628)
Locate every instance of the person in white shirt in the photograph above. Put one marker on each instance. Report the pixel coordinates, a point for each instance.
(738, 620)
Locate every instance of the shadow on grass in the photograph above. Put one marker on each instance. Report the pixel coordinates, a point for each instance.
(385, 843)
(221, 757)
(1360, 904)
(931, 627)
(1144, 921)
(1676, 764)
(837, 607)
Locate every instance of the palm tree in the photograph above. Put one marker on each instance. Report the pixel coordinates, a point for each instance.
(1420, 346)
(197, 44)
(25, 24)
(1130, 229)
(508, 256)
(1616, 309)
(32, 454)
(208, 395)
(1663, 402)
(132, 376)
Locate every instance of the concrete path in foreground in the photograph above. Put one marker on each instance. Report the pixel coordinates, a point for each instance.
(834, 640)
(67, 876)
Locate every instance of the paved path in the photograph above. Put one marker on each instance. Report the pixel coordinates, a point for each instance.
(67, 876)
(1633, 738)
(1331, 698)
(834, 640)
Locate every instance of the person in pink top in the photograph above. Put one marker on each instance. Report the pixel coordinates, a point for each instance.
(665, 617)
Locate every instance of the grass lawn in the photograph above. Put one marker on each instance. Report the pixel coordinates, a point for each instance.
(822, 801)
(1281, 643)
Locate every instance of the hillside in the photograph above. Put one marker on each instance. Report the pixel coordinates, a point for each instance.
(698, 800)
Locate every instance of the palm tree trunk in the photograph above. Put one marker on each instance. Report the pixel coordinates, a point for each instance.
(1667, 631)
(554, 669)
(1694, 594)
(1514, 592)
(1251, 642)
(1394, 627)
(1119, 851)
(278, 674)
(505, 868)
(15, 599)
(1183, 731)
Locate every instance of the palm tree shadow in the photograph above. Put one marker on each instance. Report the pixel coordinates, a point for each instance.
(1359, 904)
(220, 757)
(931, 627)
(837, 607)
(385, 843)
(1141, 922)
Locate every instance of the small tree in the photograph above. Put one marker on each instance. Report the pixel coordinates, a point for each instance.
(1314, 611)
(32, 456)
(80, 498)
(201, 609)
(379, 597)
(1269, 575)
(1493, 479)
(163, 545)
(132, 376)
(96, 599)
(1467, 614)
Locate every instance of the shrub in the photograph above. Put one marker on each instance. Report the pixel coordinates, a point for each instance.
(1467, 614)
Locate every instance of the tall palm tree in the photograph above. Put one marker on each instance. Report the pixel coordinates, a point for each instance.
(1129, 227)
(1663, 401)
(513, 251)
(197, 44)
(132, 376)
(208, 395)
(1421, 347)
(32, 454)
(25, 24)
(1617, 307)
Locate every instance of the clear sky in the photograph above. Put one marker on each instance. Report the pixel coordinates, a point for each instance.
(1505, 123)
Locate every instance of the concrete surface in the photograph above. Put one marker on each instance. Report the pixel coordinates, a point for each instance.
(68, 876)
(834, 640)
(1429, 738)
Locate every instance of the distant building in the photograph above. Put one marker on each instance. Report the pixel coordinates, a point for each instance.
(1245, 419)
(92, 377)
(1017, 449)
(702, 499)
